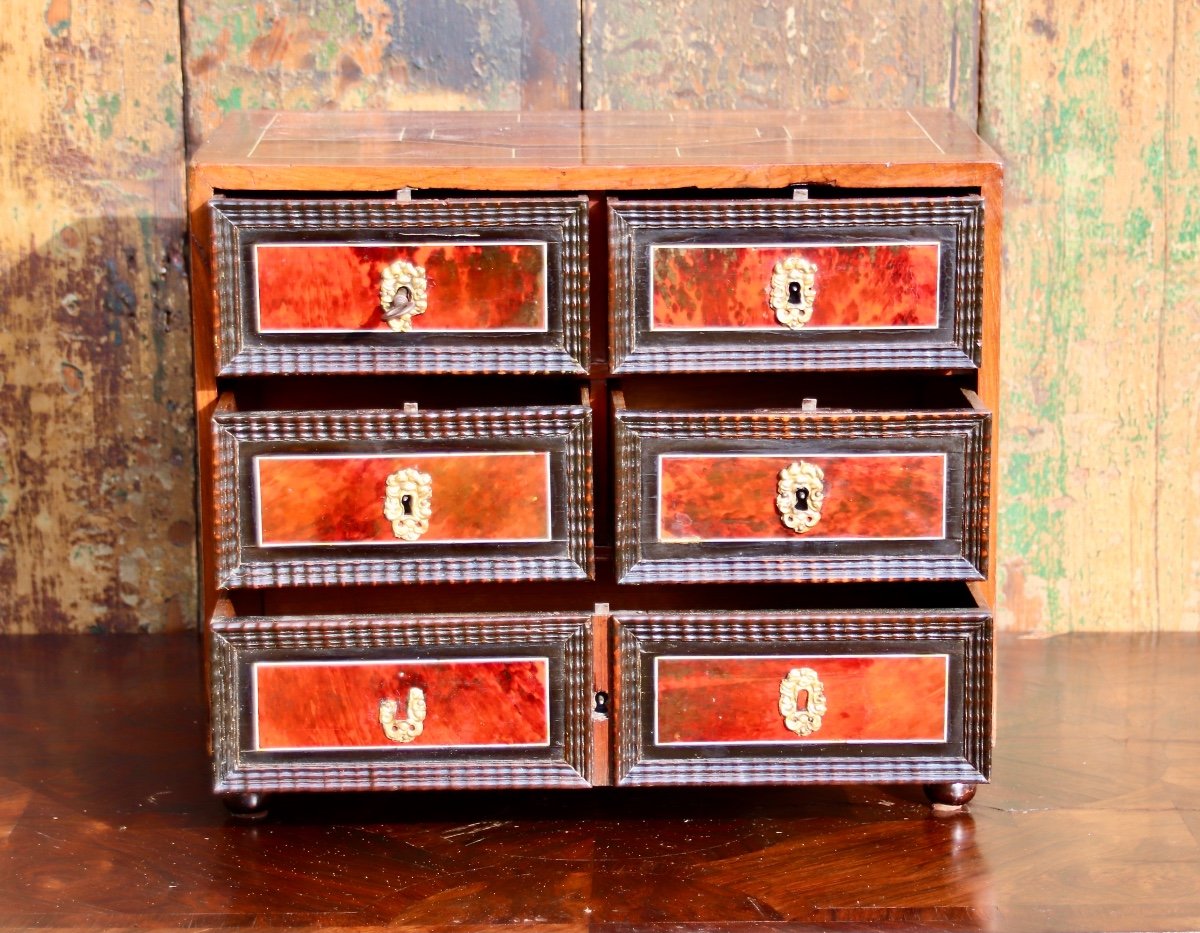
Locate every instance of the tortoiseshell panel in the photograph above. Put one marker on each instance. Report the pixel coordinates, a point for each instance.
(857, 286)
(339, 500)
(723, 497)
(732, 700)
(335, 287)
(336, 705)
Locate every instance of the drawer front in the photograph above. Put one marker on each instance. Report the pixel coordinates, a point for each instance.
(803, 697)
(397, 497)
(796, 285)
(414, 701)
(795, 496)
(401, 287)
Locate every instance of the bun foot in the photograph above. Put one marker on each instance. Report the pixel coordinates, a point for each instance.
(246, 806)
(955, 794)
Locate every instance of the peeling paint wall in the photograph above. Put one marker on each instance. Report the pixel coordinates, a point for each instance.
(383, 54)
(781, 54)
(96, 458)
(1094, 105)
(1096, 108)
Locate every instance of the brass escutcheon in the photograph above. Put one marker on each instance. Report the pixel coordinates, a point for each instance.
(413, 723)
(799, 495)
(793, 291)
(408, 503)
(799, 680)
(403, 294)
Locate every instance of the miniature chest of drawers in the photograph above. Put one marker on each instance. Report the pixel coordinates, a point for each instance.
(572, 449)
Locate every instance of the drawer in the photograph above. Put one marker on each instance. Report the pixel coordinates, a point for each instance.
(744, 698)
(350, 497)
(709, 286)
(374, 702)
(789, 496)
(401, 286)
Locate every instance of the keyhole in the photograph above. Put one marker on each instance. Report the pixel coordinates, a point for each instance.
(802, 499)
(793, 293)
(602, 702)
(406, 504)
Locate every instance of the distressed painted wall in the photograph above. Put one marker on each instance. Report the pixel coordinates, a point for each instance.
(96, 475)
(781, 53)
(1094, 104)
(1095, 107)
(384, 54)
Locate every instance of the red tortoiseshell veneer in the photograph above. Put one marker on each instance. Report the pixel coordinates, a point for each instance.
(733, 700)
(490, 286)
(717, 498)
(340, 500)
(857, 286)
(326, 705)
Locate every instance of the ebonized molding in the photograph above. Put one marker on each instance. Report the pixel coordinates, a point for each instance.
(564, 431)
(238, 642)
(641, 636)
(641, 435)
(956, 223)
(238, 224)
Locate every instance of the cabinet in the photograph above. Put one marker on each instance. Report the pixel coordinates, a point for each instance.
(562, 450)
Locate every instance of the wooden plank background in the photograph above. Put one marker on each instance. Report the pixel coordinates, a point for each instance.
(96, 457)
(1094, 105)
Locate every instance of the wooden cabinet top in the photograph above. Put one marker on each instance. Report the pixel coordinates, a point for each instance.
(584, 150)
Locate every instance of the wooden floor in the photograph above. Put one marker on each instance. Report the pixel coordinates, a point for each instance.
(1092, 823)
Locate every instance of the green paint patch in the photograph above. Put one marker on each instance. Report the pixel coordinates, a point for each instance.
(1089, 62)
(231, 101)
(242, 28)
(327, 54)
(1189, 226)
(1030, 522)
(238, 27)
(101, 115)
(171, 118)
(1156, 159)
(1137, 228)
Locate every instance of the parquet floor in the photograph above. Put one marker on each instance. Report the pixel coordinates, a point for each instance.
(1092, 822)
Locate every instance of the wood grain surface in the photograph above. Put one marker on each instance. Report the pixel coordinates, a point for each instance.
(97, 475)
(1091, 822)
(1095, 107)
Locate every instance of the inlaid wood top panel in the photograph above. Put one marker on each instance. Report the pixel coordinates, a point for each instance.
(595, 149)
